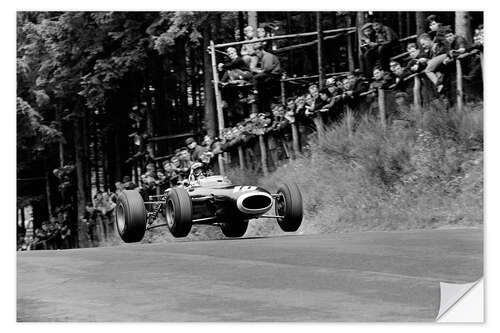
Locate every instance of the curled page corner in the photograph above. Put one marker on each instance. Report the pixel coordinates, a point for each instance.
(451, 294)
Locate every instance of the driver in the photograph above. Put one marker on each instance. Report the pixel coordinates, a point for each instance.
(200, 170)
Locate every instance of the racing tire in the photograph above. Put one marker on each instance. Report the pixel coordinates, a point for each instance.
(130, 216)
(234, 229)
(179, 212)
(289, 205)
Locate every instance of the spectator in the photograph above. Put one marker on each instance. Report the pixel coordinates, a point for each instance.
(65, 234)
(171, 172)
(40, 239)
(236, 70)
(119, 188)
(399, 74)
(52, 236)
(322, 106)
(478, 39)
(108, 213)
(184, 162)
(149, 181)
(290, 111)
(335, 105)
(387, 44)
(194, 149)
(434, 25)
(211, 145)
(261, 33)
(369, 47)
(248, 50)
(436, 53)
(417, 64)
(90, 220)
(418, 61)
(381, 79)
(100, 221)
(267, 74)
(128, 184)
(457, 45)
(354, 85)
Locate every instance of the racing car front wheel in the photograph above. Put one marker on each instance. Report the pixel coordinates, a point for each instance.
(234, 229)
(178, 211)
(288, 204)
(130, 216)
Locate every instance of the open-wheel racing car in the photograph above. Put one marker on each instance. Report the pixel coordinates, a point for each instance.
(212, 200)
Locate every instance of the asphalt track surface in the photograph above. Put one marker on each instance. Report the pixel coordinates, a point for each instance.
(370, 276)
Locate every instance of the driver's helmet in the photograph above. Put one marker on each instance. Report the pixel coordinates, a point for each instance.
(198, 171)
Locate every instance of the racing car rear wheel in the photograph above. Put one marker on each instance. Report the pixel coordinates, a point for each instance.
(178, 212)
(130, 216)
(289, 205)
(234, 229)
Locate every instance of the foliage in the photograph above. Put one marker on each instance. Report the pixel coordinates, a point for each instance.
(33, 135)
(404, 177)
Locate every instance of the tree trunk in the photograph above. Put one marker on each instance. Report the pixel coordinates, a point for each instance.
(289, 31)
(462, 25)
(95, 152)
(360, 21)
(207, 84)
(181, 110)
(420, 22)
(408, 25)
(252, 19)
(400, 24)
(241, 25)
(81, 193)
(86, 148)
(47, 191)
(350, 45)
(319, 29)
(61, 140)
(150, 130)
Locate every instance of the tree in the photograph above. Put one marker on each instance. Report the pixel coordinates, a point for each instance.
(463, 26)
(420, 22)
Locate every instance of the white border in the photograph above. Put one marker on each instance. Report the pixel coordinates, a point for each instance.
(492, 167)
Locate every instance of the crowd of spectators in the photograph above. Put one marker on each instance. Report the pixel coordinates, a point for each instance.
(432, 56)
(255, 65)
(52, 235)
(172, 170)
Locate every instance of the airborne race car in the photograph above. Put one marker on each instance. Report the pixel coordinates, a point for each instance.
(211, 200)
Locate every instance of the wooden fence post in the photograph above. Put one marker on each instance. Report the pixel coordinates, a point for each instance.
(319, 28)
(263, 155)
(295, 139)
(241, 157)
(271, 146)
(218, 102)
(381, 106)
(283, 92)
(349, 117)
(417, 102)
(320, 127)
(460, 95)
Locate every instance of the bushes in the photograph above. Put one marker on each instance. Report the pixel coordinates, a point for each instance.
(425, 175)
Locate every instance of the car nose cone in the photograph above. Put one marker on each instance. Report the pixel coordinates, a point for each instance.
(254, 203)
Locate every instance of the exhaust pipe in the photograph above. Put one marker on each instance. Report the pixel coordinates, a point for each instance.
(254, 203)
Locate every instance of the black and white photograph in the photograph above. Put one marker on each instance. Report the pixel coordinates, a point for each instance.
(248, 166)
